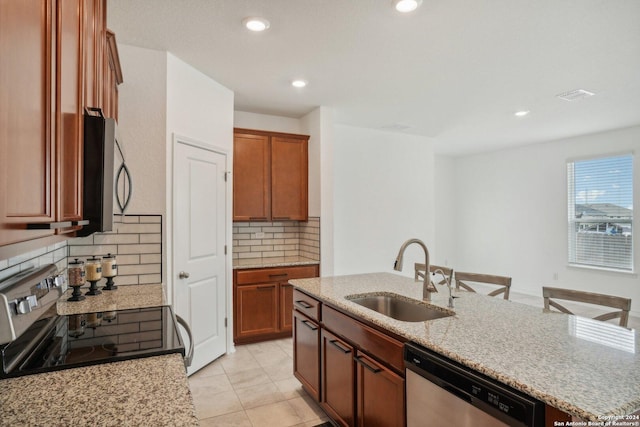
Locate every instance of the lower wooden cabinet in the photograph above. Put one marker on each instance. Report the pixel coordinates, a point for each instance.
(380, 394)
(360, 368)
(337, 379)
(263, 302)
(306, 354)
(259, 313)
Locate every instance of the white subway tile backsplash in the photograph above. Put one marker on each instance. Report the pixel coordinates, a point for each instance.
(137, 243)
(276, 239)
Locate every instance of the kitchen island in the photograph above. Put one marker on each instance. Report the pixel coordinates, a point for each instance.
(145, 391)
(585, 368)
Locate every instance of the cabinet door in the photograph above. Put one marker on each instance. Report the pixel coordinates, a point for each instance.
(256, 310)
(286, 307)
(380, 394)
(69, 100)
(94, 12)
(251, 192)
(289, 177)
(27, 183)
(306, 353)
(338, 379)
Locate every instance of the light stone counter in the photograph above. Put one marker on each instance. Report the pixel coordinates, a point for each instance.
(124, 297)
(272, 262)
(586, 368)
(150, 391)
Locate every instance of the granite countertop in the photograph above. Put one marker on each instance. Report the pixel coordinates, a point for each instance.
(151, 391)
(124, 297)
(146, 391)
(586, 368)
(272, 262)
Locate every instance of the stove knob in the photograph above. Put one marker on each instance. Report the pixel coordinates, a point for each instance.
(23, 307)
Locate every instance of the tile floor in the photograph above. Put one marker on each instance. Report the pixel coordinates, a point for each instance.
(255, 385)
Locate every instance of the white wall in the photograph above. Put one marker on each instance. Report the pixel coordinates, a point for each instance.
(319, 125)
(511, 215)
(141, 126)
(383, 195)
(245, 120)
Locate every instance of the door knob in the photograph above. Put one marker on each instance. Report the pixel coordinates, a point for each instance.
(183, 275)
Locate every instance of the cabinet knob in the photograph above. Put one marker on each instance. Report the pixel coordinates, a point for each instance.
(183, 275)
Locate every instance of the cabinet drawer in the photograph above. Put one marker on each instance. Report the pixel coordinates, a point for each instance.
(376, 343)
(279, 274)
(306, 304)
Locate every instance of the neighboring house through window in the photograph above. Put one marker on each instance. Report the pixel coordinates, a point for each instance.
(600, 212)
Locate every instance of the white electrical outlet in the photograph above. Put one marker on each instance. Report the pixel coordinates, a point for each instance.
(555, 276)
(259, 235)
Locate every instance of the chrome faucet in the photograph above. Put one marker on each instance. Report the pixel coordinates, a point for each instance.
(427, 287)
(448, 282)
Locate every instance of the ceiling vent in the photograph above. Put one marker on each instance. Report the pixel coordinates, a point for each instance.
(575, 95)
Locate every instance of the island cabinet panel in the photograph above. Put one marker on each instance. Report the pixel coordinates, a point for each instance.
(361, 368)
(264, 301)
(306, 353)
(381, 346)
(380, 394)
(337, 379)
(270, 176)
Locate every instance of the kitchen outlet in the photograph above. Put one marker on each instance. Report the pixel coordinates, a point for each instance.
(259, 235)
(555, 276)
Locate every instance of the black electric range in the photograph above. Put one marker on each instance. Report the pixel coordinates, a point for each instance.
(53, 342)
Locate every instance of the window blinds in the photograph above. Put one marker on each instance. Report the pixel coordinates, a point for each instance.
(600, 212)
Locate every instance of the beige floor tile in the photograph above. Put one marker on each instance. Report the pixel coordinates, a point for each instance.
(280, 371)
(248, 378)
(290, 388)
(235, 419)
(306, 408)
(259, 395)
(239, 361)
(213, 368)
(274, 358)
(211, 405)
(280, 414)
(209, 385)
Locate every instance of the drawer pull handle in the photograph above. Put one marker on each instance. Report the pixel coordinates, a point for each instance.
(310, 325)
(339, 347)
(369, 367)
(304, 304)
(273, 276)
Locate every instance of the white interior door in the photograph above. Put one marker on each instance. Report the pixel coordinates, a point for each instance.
(199, 271)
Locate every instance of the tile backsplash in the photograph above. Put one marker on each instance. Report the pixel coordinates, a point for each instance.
(53, 254)
(136, 240)
(277, 239)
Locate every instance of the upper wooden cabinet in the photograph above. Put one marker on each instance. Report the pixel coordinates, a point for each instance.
(270, 173)
(49, 51)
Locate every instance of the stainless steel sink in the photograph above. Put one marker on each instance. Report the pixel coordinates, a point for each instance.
(400, 308)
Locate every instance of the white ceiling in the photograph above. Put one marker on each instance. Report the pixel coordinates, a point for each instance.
(454, 70)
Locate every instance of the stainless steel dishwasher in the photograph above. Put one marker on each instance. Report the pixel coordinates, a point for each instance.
(442, 392)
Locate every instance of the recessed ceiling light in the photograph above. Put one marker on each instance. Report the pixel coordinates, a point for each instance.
(406, 6)
(521, 113)
(299, 83)
(255, 23)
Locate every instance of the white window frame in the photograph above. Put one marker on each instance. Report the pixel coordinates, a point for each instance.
(573, 222)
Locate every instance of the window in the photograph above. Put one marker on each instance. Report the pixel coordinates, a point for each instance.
(600, 212)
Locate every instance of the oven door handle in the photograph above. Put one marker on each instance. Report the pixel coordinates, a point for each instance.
(189, 356)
